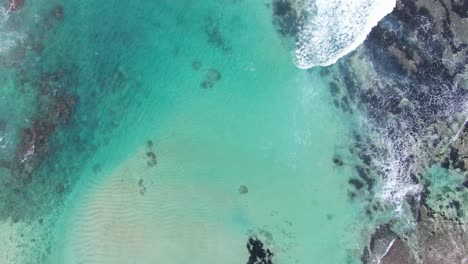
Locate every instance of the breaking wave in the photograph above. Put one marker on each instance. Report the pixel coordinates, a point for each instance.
(335, 28)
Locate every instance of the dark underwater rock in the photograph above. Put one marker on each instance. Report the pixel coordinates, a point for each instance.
(334, 89)
(142, 187)
(243, 189)
(356, 183)
(151, 158)
(364, 174)
(258, 253)
(63, 108)
(337, 161)
(456, 158)
(196, 65)
(465, 183)
(460, 7)
(211, 78)
(214, 34)
(149, 144)
(32, 147)
(287, 17)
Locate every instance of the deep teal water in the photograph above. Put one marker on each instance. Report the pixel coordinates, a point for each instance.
(211, 89)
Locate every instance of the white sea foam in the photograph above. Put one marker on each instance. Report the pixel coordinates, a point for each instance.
(397, 183)
(406, 152)
(8, 39)
(335, 28)
(3, 142)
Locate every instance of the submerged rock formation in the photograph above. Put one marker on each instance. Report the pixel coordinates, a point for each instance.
(288, 16)
(56, 110)
(258, 253)
(212, 76)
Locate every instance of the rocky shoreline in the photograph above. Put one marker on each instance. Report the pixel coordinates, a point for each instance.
(435, 240)
(420, 51)
(410, 82)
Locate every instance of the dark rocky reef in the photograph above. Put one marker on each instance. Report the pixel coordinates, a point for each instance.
(212, 76)
(196, 65)
(460, 7)
(33, 144)
(456, 157)
(258, 253)
(142, 187)
(150, 155)
(337, 161)
(215, 35)
(26, 190)
(243, 189)
(55, 110)
(288, 16)
(151, 158)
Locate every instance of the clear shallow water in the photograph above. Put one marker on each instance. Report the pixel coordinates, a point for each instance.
(261, 125)
(214, 88)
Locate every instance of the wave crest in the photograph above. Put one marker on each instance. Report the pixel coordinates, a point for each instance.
(335, 28)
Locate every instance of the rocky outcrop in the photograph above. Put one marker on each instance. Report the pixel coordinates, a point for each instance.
(258, 253)
(380, 242)
(435, 240)
(440, 240)
(410, 81)
(288, 16)
(456, 157)
(397, 253)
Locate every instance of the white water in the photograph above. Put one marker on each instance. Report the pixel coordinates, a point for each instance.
(335, 28)
(8, 38)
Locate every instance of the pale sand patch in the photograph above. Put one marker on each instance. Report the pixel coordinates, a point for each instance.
(22, 242)
(9, 250)
(169, 222)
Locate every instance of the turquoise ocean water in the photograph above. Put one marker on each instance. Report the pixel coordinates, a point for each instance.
(191, 130)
